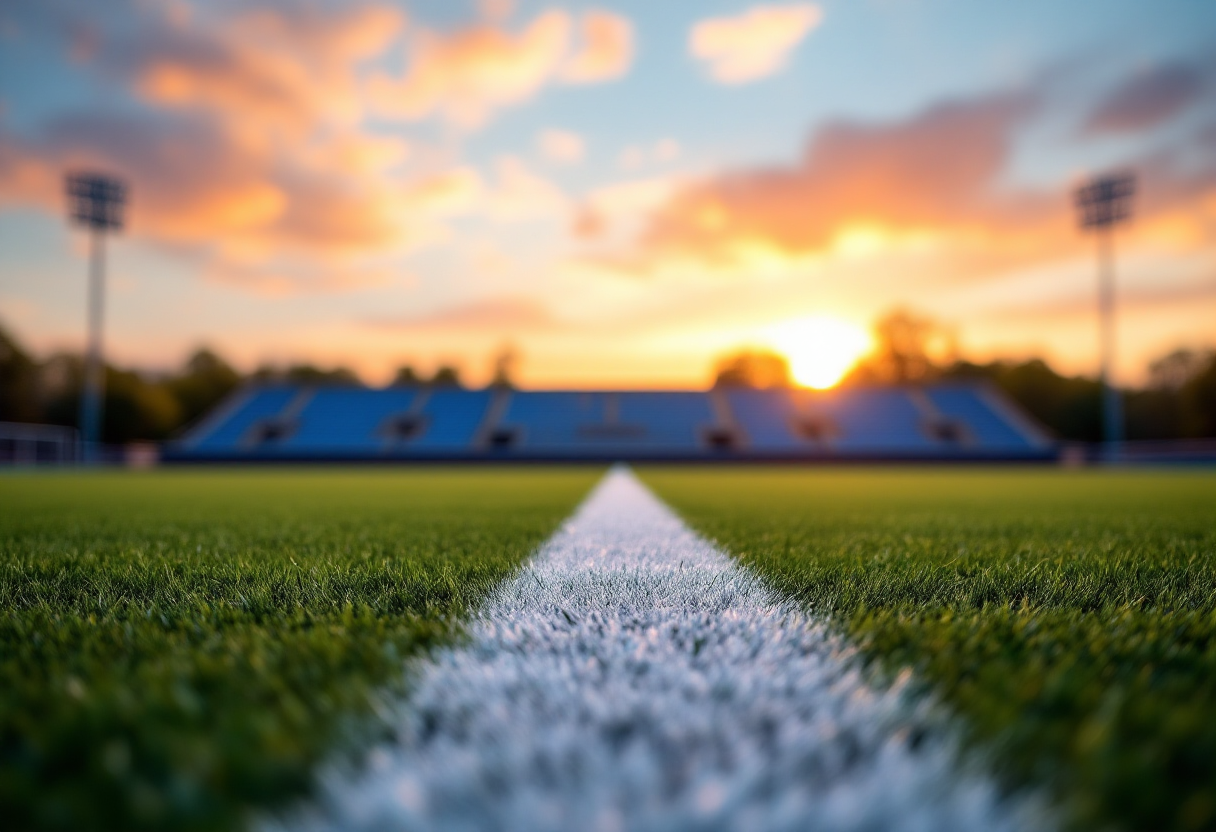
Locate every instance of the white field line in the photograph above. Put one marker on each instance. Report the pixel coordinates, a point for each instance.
(633, 677)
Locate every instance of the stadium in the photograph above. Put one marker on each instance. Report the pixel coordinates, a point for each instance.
(544, 416)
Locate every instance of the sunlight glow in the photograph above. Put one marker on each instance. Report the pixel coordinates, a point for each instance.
(820, 349)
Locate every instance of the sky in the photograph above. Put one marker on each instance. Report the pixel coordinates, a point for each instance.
(615, 192)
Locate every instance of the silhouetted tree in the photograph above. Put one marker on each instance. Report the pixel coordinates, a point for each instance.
(18, 382)
(902, 352)
(752, 368)
(1153, 413)
(406, 376)
(133, 407)
(308, 374)
(446, 376)
(203, 383)
(504, 367)
(1070, 407)
(1172, 371)
(1198, 396)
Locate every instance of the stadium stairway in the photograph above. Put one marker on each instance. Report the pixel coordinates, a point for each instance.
(301, 423)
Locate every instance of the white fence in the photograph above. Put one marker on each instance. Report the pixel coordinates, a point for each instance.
(24, 444)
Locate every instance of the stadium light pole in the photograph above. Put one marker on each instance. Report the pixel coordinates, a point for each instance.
(95, 201)
(1103, 203)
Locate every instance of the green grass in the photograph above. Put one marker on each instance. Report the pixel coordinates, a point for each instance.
(178, 647)
(1068, 617)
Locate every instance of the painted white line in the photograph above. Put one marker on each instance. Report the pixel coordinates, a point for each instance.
(634, 678)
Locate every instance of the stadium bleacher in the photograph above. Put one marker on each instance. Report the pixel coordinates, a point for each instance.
(301, 423)
(451, 423)
(563, 423)
(228, 426)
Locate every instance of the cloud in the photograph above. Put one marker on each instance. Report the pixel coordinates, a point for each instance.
(1131, 299)
(496, 10)
(662, 151)
(622, 203)
(255, 158)
(561, 146)
(358, 153)
(274, 69)
(856, 180)
(465, 75)
(496, 314)
(519, 194)
(754, 44)
(606, 50)
(931, 192)
(1148, 99)
(289, 282)
(197, 187)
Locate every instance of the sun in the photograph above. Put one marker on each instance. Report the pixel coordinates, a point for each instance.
(820, 349)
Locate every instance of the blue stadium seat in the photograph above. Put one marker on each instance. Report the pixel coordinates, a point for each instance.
(988, 428)
(876, 419)
(672, 420)
(340, 420)
(869, 420)
(452, 419)
(259, 404)
(766, 418)
(586, 422)
(551, 419)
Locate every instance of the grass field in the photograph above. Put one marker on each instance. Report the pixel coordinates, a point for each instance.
(1069, 618)
(176, 647)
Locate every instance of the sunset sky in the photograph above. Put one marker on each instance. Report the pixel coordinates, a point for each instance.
(619, 191)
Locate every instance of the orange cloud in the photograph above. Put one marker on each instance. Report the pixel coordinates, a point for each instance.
(936, 170)
(271, 283)
(1074, 305)
(466, 75)
(928, 192)
(754, 44)
(622, 203)
(447, 193)
(194, 186)
(561, 146)
(606, 51)
(520, 194)
(359, 154)
(279, 70)
(497, 314)
(256, 159)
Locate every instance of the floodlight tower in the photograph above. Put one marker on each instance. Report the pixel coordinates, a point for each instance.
(1103, 203)
(96, 202)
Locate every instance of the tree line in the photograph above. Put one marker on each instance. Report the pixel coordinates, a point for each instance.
(144, 406)
(1178, 402)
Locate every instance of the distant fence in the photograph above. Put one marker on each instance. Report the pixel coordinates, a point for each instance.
(1173, 450)
(26, 444)
(1141, 452)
